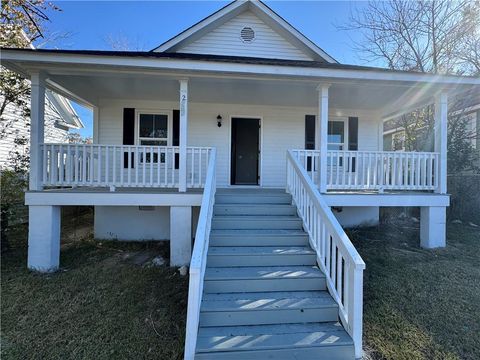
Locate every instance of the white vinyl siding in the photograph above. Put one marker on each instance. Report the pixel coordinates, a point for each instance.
(226, 40)
(282, 128)
(19, 127)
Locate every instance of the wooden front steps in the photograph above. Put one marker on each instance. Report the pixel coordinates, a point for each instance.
(264, 297)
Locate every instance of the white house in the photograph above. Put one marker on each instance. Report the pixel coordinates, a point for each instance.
(60, 117)
(243, 133)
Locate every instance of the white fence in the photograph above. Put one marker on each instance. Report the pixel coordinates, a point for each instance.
(121, 165)
(374, 170)
(336, 255)
(199, 259)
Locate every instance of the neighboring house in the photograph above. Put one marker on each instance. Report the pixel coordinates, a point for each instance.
(60, 117)
(464, 105)
(241, 132)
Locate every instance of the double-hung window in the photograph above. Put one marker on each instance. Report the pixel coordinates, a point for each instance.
(153, 130)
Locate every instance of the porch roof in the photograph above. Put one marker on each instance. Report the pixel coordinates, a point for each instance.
(87, 75)
(244, 60)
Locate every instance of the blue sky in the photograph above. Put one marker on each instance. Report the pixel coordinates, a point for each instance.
(144, 25)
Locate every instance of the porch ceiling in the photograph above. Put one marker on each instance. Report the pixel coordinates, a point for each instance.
(362, 95)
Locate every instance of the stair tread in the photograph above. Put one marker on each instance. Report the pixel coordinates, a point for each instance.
(256, 217)
(258, 232)
(263, 273)
(260, 205)
(288, 300)
(284, 336)
(251, 191)
(259, 250)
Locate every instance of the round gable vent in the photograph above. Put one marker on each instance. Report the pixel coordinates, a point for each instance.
(247, 34)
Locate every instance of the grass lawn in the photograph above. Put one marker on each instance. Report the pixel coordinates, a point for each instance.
(418, 304)
(101, 305)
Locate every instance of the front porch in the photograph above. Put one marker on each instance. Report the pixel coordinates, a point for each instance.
(340, 121)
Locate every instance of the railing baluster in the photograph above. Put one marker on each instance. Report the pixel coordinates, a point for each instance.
(114, 167)
(144, 165)
(129, 166)
(61, 164)
(107, 166)
(136, 164)
(44, 164)
(53, 165)
(151, 166)
(339, 276)
(192, 165)
(122, 165)
(172, 164)
(89, 170)
(418, 172)
(165, 166)
(99, 176)
(430, 170)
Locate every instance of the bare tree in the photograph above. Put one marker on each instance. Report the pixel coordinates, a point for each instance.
(121, 42)
(469, 54)
(435, 36)
(424, 36)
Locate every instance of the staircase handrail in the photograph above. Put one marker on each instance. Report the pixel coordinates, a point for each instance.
(336, 255)
(199, 258)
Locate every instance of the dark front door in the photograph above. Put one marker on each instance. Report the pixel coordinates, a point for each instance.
(245, 149)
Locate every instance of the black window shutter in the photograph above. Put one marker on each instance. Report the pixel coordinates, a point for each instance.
(309, 137)
(176, 134)
(353, 137)
(128, 134)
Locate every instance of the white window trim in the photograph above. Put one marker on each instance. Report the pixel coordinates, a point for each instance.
(169, 114)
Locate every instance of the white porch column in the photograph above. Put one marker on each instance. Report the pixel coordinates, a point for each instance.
(44, 238)
(183, 135)
(441, 112)
(37, 120)
(433, 227)
(180, 235)
(321, 137)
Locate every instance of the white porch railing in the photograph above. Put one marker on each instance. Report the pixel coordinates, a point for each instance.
(121, 165)
(374, 170)
(199, 259)
(336, 255)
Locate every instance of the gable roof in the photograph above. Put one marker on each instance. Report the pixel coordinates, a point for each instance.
(263, 12)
